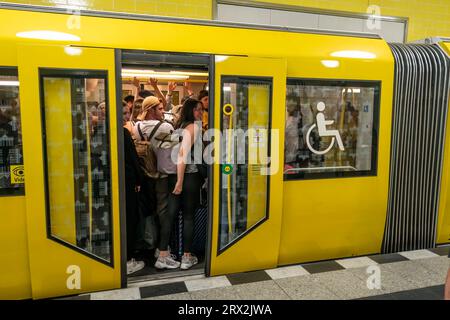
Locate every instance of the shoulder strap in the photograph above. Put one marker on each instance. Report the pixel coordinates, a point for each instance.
(154, 130)
(151, 134)
(140, 131)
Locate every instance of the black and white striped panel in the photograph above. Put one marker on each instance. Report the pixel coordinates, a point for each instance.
(418, 138)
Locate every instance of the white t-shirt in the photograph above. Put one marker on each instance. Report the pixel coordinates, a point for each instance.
(147, 126)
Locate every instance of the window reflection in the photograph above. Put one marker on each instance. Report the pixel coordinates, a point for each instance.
(245, 124)
(77, 158)
(12, 175)
(331, 128)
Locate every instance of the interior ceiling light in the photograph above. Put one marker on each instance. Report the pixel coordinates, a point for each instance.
(355, 54)
(187, 73)
(48, 35)
(145, 72)
(154, 75)
(330, 63)
(9, 83)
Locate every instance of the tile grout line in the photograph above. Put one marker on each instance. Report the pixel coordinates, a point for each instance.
(282, 289)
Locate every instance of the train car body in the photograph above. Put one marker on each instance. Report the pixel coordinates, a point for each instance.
(297, 218)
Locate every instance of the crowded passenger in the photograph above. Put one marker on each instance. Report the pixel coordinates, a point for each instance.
(203, 97)
(150, 126)
(129, 100)
(171, 186)
(133, 178)
(186, 183)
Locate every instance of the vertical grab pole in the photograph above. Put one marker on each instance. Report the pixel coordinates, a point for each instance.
(228, 110)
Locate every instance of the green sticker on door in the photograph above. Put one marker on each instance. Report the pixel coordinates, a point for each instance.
(227, 169)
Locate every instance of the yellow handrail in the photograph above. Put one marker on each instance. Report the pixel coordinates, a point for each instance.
(228, 110)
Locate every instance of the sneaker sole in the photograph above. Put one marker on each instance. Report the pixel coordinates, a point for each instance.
(185, 267)
(161, 266)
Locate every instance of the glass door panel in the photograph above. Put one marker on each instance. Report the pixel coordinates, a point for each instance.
(245, 153)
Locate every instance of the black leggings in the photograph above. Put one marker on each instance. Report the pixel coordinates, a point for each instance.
(132, 217)
(188, 201)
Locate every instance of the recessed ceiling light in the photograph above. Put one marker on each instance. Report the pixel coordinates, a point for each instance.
(72, 51)
(330, 63)
(48, 35)
(221, 58)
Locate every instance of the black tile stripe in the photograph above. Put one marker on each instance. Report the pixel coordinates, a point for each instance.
(442, 251)
(163, 289)
(388, 258)
(248, 277)
(323, 266)
(428, 293)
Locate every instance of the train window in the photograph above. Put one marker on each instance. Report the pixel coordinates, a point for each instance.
(245, 150)
(76, 144)
(331, 128)
(11, 159)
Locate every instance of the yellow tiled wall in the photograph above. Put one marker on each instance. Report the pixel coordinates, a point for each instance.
(426, 17)
(199, 9)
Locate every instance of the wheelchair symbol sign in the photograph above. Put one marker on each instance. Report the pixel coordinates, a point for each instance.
(321, 125)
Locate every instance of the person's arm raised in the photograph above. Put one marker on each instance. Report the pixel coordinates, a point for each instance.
(154, 83)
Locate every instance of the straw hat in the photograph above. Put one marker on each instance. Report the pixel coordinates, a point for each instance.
(147, 104)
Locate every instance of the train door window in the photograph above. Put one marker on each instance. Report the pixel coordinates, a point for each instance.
(245, 150)
(76, 149)
(11, 156)
(331, 128)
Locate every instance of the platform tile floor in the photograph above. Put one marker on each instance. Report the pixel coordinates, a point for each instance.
(408, 275)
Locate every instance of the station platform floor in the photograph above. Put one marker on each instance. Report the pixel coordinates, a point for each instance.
(411, 275)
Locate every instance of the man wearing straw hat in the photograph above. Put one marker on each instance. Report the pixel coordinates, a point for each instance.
(151, 127)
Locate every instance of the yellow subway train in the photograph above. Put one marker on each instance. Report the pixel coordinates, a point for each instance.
(344, 150)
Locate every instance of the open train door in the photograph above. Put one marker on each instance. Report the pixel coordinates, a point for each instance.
(70, 134)
(249, 110)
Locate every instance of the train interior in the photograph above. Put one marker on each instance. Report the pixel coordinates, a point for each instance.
(187, 75)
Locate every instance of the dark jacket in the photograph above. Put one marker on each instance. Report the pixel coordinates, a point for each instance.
(133, 173)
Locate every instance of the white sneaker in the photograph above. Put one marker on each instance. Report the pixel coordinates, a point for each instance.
(157, 252)
(168, 262)
(188, 262)
(134, 266)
